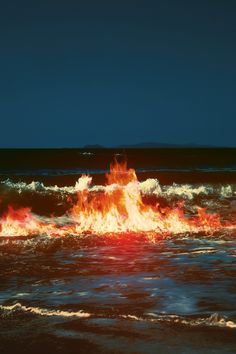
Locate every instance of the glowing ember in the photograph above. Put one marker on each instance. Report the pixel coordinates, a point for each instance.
(116, 208)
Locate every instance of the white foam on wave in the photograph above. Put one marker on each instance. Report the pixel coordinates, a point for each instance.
(36, 186)
(186, 191)
(227, 191)
(44, 312)
(214, 320)
(150, 186)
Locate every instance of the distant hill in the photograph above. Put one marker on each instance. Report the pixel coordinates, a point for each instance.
(149, 145)
(95, 146)
(163, 145)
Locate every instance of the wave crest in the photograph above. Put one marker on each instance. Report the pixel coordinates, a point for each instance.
(150, 186)
(214, 320)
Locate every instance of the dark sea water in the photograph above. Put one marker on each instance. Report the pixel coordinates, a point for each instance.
(126, 293)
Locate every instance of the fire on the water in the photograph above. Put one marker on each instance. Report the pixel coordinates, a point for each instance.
(117, 208)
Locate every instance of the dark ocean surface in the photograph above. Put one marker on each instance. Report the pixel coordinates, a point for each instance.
(126, 292)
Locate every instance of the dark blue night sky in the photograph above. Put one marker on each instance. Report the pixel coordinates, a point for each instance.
(117, 72)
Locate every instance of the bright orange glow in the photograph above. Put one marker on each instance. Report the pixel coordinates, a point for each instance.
(22, 222)
(19, 223)
(117, 208)
(119, 174)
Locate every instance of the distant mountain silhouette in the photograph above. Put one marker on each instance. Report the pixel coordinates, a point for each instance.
(149, 145)
(95, 146)
(162, 145)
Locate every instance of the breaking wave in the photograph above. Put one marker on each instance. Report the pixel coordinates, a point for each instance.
(150, 186)
(123, 204)
(214, 320)
(42, 312)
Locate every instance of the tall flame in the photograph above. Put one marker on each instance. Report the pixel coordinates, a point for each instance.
(117, 208)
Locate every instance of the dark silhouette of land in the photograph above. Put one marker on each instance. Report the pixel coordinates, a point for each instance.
(150, 145)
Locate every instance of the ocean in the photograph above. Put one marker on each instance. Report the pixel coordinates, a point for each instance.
(118, 251)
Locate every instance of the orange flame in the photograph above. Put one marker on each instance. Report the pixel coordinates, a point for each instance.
(119, 174)
(19, 223)
(120, 208)
(117, 208)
